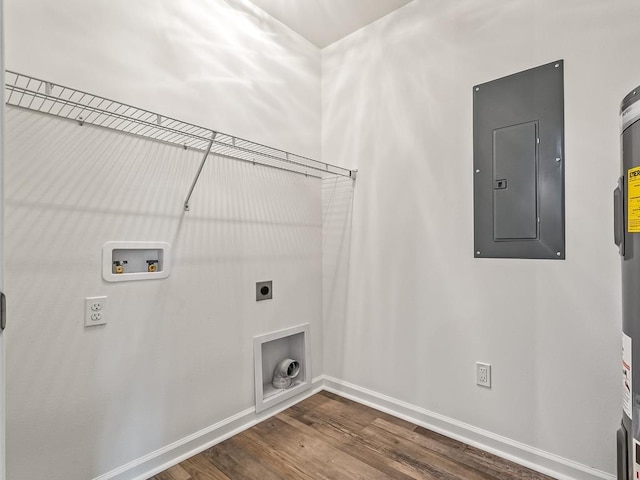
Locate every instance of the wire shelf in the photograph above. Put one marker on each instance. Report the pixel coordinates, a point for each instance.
(41, 96)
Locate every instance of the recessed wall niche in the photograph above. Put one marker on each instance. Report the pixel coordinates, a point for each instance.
(271, 349)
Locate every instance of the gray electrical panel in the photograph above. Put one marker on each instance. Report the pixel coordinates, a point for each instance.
(518, 161)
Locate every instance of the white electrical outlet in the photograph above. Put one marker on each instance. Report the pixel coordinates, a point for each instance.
(483, 374)
(95, 311)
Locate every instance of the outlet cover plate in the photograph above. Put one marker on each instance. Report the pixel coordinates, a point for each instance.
(95, 311)
(483, 374)
(264, 290)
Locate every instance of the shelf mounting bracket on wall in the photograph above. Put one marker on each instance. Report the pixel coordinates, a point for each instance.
(195, 180)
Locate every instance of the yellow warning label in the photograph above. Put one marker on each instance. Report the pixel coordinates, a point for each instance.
(633, 200)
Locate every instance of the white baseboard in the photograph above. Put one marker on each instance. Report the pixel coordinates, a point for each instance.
(155, 462)
(530, 457)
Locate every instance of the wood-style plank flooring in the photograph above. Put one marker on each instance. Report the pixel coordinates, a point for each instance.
(330, 437)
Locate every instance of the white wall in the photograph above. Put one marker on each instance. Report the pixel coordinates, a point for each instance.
(177, 354)
(221, 64)
(420, 310)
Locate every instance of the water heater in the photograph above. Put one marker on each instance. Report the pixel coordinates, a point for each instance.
(627, 237)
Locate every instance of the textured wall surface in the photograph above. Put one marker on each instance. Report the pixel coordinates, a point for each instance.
(420, 311)
(177, 354)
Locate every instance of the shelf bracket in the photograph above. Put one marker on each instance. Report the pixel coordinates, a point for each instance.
(195, 180)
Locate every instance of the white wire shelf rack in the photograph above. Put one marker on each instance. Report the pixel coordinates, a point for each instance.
(31, 93)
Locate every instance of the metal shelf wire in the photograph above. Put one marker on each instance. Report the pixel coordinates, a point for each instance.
(38, 95)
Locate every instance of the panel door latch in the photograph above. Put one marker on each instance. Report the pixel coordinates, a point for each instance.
(500, 184)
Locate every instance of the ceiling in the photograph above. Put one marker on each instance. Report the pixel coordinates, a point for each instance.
(323, 22)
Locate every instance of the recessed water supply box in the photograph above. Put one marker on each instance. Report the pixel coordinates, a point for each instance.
(124, 261)
(287, 350)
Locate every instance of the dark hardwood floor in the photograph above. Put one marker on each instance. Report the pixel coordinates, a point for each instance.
(330, 437)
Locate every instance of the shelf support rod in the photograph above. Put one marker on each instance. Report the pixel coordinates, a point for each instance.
(195, 180)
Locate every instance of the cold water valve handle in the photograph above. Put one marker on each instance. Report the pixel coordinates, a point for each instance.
(285, 372)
